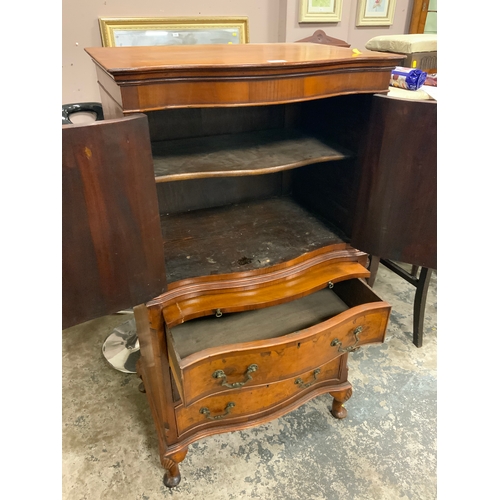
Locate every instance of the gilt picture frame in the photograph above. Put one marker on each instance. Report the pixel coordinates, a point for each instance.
(375, 12)
(142, 31)
(320, 11)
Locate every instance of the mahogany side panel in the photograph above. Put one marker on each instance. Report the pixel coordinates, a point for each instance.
(112, 252)
(396, 213)
(111, 98)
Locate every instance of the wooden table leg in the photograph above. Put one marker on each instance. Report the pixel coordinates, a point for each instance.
(419, 305)
(339, 398)
(373, 268)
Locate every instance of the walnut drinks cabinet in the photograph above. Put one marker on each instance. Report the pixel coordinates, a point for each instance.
(256, 153)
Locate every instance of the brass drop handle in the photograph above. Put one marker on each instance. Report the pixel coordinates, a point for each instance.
(205, 411)
(300, 382)
(235, 385)
(356, 332)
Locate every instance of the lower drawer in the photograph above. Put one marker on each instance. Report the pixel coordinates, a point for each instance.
(253, 403)
(269, 345)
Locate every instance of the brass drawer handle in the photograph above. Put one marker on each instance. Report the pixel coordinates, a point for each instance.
(235, 385)
(300, 382)
(356, 332)
(205, 411)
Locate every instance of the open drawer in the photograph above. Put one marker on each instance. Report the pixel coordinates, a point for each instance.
(274, 343)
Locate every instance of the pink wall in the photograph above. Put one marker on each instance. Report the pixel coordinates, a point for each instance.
(269, 21)
(81, 29)
(346, 29)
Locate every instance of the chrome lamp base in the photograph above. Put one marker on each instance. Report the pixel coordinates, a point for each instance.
(121, 348)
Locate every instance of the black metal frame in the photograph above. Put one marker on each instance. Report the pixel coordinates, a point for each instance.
(69, 109)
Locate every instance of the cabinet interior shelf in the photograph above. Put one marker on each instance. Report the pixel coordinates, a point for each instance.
(248, 153)
(241, 237)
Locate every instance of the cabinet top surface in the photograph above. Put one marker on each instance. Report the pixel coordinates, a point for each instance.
(273, 55)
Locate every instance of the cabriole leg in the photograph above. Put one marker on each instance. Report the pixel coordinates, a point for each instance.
(170, 463)
(339, 398)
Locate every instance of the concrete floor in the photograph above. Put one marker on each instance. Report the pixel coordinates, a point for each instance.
(385, 449)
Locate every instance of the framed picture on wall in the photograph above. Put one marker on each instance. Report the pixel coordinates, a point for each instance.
(320, 11)
(127, 32)
(375, 12)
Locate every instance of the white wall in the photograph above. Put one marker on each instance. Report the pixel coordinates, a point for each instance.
(269, 21)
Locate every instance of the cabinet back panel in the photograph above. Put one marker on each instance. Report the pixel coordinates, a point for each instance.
(328, 189)
(200, 122)
(184, 196)
(344, 119)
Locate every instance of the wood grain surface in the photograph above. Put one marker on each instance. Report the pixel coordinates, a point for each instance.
(112, 255)
(253, 402)
(140, 79)
(281, 356)
(396, 216)
(185, 59)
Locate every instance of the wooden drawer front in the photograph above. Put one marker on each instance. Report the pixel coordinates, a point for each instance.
(252, 403)
(265, 361)
(258, 290)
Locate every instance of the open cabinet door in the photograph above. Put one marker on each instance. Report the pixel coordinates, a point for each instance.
(396, 214)
(112, 252)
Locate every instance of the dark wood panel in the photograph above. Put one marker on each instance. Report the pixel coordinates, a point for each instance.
(331, 189)
(240, 238)
(112, 254)
(328, 189)
(355, 292)
(195, 194)
(343, 119)
(396, 216)
(250, 153)
(199, 122)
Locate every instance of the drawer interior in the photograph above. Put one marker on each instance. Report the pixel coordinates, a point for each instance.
(261, 324)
